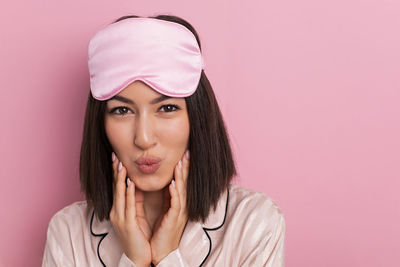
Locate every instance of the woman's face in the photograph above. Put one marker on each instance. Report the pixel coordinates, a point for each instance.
(141, 122)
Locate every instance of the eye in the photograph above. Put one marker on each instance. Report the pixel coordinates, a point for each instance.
(169, 108)
(121, 110)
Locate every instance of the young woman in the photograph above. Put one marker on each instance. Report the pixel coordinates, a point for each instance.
(156, 163)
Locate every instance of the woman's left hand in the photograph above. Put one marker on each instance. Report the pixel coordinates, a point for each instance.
(169, 226)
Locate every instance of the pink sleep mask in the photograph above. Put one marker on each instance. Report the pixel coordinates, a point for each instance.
(163, 54)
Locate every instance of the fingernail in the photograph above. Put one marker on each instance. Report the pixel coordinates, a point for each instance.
(187, 154)
(180, 164)
(173, 183)
(128, 181)
(113, 156)
(120, 166)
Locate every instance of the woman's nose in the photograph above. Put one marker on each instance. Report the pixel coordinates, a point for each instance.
(144, 132)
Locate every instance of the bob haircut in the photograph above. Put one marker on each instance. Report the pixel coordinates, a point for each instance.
(211, 163)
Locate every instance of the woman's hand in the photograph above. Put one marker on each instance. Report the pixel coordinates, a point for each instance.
(169, 226)
(128, 219)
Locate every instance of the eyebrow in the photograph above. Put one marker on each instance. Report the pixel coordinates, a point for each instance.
(128, 101)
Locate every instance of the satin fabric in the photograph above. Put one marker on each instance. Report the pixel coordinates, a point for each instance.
(246, 229)
(163, 54)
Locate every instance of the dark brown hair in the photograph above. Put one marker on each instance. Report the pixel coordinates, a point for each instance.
(211, 162)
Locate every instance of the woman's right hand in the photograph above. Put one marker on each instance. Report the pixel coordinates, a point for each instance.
(128, 219)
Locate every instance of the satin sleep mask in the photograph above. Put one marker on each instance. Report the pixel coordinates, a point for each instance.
(163, 54)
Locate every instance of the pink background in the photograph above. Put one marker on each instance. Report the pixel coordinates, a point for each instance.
(309, 89)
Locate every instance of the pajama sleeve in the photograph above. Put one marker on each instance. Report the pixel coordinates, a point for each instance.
(173, 259)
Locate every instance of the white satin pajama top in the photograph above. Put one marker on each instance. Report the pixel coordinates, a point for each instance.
(246, 229)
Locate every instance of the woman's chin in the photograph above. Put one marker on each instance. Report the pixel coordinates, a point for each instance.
(150, 184)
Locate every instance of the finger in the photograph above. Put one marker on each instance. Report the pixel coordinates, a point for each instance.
(175, 208)
(120, 191)
(115, 163)
(130, 211)
(180, 186)
(185, 174)
(185, 166)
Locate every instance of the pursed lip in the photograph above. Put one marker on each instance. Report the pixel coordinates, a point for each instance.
(148, 160)
(148, 164)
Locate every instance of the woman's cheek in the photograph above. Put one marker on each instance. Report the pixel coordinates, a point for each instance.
(177, 142)
(118, 134)
(175, 138)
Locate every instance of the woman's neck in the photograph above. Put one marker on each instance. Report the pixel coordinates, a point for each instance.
(153, 203)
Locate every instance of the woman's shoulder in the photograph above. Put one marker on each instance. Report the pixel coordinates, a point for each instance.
(72, 214)
(251, 206)
(77, 208)
(244, 196)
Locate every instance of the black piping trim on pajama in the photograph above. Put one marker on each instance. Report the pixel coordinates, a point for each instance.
(213, 229)
(102, 237)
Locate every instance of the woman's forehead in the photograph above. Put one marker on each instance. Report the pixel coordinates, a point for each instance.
(139, 92)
